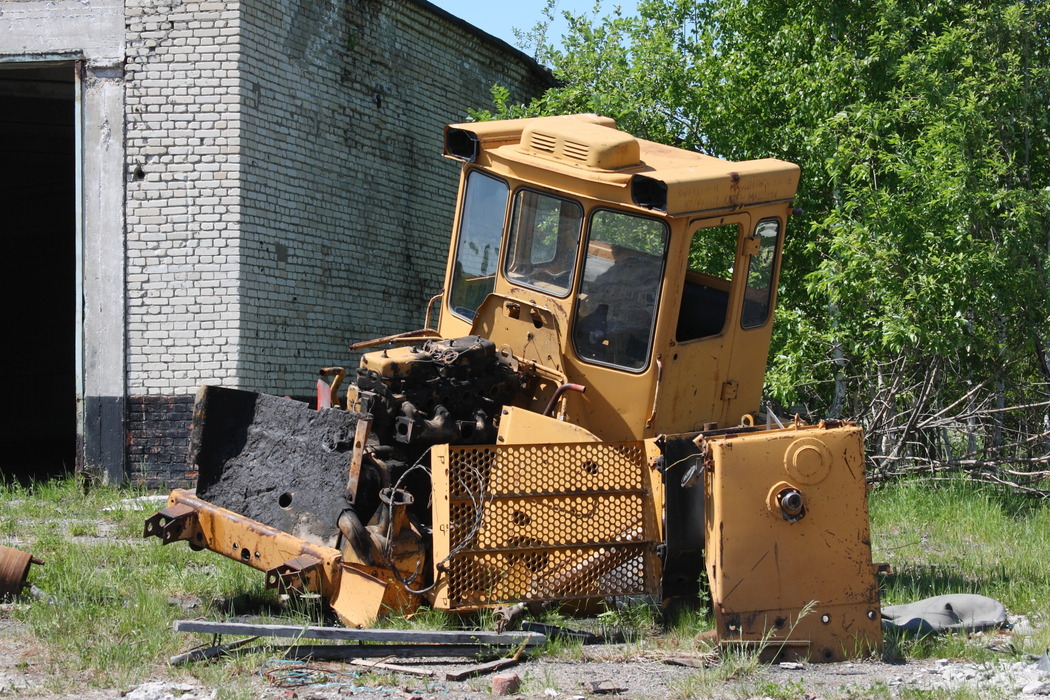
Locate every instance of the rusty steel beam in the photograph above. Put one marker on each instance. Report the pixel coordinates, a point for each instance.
(205, 525)
(356, 593)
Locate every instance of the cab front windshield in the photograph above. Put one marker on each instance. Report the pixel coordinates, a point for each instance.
(544, 238)
(620, 289)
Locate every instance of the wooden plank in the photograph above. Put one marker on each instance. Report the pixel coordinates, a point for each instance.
(362, 635)
(481, 669)
(489, 667)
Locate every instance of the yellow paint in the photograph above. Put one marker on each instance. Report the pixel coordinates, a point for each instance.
(766, 562)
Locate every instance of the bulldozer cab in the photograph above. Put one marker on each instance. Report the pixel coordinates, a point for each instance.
(643, 273)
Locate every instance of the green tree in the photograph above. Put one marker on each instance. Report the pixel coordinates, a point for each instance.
(915, 295)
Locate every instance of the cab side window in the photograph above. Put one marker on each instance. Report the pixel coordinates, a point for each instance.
(761, 268)
(477, 251)
(708, 279)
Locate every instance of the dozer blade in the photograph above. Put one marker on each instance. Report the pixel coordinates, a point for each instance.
(357, 594)
(274, 460)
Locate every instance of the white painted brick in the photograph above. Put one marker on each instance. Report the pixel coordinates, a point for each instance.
(207, 298)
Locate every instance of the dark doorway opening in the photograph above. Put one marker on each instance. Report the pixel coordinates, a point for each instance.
(38, 270)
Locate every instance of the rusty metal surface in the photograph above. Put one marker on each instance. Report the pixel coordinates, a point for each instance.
(788, 542)
(298, 574)
(207, 526)
(174, 523)
(356, 594)
(364, 426)
(14, 570)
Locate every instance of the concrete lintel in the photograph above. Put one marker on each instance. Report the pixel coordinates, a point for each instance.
(94, 29)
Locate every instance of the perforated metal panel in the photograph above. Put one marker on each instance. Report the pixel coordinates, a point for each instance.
(541, 522)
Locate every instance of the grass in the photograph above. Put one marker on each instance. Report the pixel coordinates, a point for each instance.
(110, 601)
(112, 596)
(964, 538)
(740, 666)
(629, 621)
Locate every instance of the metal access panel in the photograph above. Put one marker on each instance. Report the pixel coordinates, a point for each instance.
(788, 544)
(522, 523)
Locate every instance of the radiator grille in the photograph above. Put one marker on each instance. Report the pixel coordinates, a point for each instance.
(533, 523)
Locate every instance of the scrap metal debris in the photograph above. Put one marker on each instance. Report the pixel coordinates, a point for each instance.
(489, 667)
(508, 616)
(210, 652)
(394, 668)
(342, 652)
(562, 633)
(292, 672)
(165, 690)
(284, 673)
(507, 639)
(693, 660)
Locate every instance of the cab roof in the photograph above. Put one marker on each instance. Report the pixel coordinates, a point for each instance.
(586, 153)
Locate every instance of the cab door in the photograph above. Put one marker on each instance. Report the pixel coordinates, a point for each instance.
(750, 328)
(696, 385)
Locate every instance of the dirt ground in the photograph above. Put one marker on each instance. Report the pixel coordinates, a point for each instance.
(618, 671)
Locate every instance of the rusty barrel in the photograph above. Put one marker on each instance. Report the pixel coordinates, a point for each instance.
(14, 568)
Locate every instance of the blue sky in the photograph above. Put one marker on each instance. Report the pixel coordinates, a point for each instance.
(500, 19)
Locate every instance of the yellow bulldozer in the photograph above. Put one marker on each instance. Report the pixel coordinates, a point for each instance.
(577, 422)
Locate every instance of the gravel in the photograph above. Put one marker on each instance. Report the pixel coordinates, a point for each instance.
(615, 671)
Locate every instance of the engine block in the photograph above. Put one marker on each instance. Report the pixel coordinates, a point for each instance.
(445, 391)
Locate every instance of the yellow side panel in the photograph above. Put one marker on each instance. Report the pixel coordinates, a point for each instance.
(519, 426)
(789, 553)
(543, 522)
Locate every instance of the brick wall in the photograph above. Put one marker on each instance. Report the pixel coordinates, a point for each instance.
(182, 201)
(158, 430)
(285, 190)
(346, 223)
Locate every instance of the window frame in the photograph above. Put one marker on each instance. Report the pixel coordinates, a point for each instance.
(773, 271)
(730, 283)
(455, 278)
